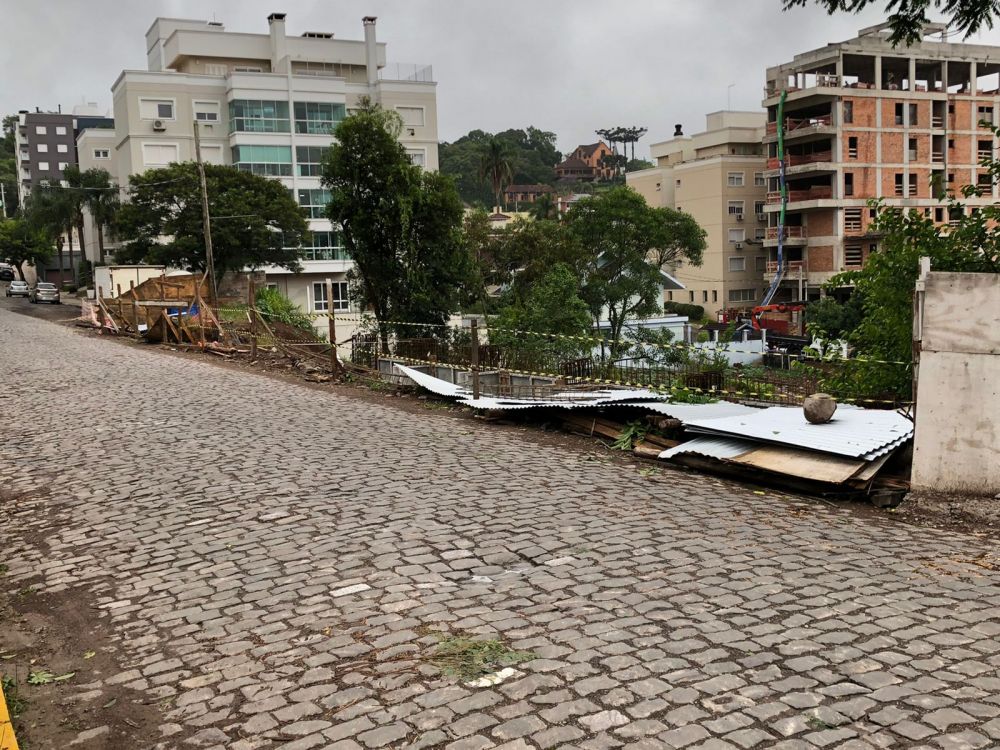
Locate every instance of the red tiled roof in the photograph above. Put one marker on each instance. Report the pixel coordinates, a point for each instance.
(573, 162)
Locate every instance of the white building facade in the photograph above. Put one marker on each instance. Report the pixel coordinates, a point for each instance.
(266, 103)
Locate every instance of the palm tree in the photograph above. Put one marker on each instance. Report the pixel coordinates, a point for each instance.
(497, 166)
(95, 192)
(53, 210)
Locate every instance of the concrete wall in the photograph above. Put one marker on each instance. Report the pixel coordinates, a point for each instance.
(957, 440)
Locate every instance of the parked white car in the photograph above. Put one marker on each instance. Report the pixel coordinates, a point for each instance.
(18, 289)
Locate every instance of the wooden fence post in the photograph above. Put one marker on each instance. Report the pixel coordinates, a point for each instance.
(135, 308)
(474, 359)
(334, 362)
(252, 309)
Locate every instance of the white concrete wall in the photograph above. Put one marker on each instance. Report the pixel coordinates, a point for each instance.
(957, 440)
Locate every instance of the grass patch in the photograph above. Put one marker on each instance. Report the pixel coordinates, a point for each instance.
(462, 657)
(16, 705)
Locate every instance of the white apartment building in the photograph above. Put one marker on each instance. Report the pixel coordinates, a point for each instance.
(266, 103)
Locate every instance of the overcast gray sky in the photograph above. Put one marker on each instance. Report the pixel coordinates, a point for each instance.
(569, 66)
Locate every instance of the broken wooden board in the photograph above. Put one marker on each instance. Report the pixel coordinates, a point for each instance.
(819, 467)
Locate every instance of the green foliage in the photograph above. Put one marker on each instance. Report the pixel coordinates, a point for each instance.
(689, 396)
(469, 659)
(552, 306)
(496, 166)
(907, 18)
(525, 251)
(8, 166)
(22, 241)
(401, 225)
(632, 433)
(16, 705)
(544, 207)
(627, 243)
(532, 153)
(634, 165)
(693, 312)
(829, 318)
(93, 189)
(273, 305)
(85, 273)
(255, 220)
(655, 346)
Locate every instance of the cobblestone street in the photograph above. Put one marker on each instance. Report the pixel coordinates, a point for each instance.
(266, 556)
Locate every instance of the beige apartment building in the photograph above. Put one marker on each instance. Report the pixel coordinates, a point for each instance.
(716, 176)
(265, 103)
(863, 120)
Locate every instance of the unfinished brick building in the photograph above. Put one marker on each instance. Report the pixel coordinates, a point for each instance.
(866, 120)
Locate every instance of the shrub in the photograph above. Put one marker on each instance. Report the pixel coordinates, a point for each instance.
(694, 312)
(273, 305)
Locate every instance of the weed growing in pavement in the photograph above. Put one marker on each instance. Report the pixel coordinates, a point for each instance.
(462, 657)
(16, 705)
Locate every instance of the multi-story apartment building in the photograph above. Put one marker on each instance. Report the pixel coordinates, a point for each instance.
(716, 176)
(266, 103)
(864, 120)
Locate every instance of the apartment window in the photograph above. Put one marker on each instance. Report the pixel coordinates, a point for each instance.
(62, 165)
(43, 148)
(760, 263)
(715, 295)
(736, 208)
(341, 300)
(984, 181)
(215, 69)
(742, 295)
(951, 177)
(678, 183)
(758, 179)
(320, 301)
(212, 154)
(40, 130)
(899, 113)
(704, 296)
(913, 116)
(848, 111)
(690, 296)
(951, 108)
(951, 144)
(417, 156)
(986, 114)
(938, 214)
(43, 166)
(898, 177)
(911, 149)
(159, 154)
(737, 235)
(62, 148)
(912, 185)
(759, 233)
(315, 201)
(737, 263)
(848, 184)
(247, 69)
(852, 147)
(206, 111)
(735, 179)
(258, 116)
(156, 109)
(413, 117)
(852, 219)
(268, 161)
(60, 130)
(102, 153)
(309, 160)
(325, 245)
(758, 208)
(317, 118)
(670, 296)
(852, 256)
(984, 149)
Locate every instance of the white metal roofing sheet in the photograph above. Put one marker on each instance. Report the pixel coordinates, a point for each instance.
(713, 447)
(859, 433)
(685, 412)
(433, 384)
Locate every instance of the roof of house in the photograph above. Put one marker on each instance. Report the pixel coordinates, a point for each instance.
(573, 162)
(529, 189)
(590, 148)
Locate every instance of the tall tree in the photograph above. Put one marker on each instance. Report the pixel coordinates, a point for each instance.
(907, 18)
(100, 197)
(53, 209)
(76, 196)
(8, 166)
(401, 225)
(544, 207)
(23, 242)
(628, 242)
(497, 168)
(255, 220)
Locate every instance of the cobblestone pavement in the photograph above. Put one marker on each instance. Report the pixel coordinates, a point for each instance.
(268, 555)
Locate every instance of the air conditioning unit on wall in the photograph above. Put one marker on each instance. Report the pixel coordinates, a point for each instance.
(158, 126)
(739, 245)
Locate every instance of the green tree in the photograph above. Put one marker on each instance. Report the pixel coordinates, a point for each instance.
(401, 225)
(544, 206)
(627, 243)
(100, 197)
(552, 306)
(23, 242)
(527, 250)
(830, 318)
(8, 166)
(76, 197)
(634, 165)
(53, 209)
(907, 18)
(497, 168)
(255, 222)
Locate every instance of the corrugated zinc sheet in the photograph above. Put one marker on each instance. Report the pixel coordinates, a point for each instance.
(685, 412)
(712, 447)
(859, 433)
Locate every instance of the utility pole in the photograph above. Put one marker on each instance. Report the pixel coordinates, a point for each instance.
(3, 200)
(205, 220)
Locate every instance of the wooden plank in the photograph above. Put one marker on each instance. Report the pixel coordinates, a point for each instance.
(866, 473)
(820, 467)
(647, 450)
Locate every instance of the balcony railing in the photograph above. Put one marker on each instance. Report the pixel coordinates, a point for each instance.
(790, 266)
(937, 157)
(793, 125)
(937, 122)
(407, 72)
(795, 160)
(812, 194)
(791, 233)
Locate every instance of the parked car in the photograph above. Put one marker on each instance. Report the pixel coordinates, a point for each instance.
(6, 273)
(43, 291)
(17, 289)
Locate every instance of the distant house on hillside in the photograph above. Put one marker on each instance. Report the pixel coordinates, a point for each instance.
(516, 194)
(586, 164)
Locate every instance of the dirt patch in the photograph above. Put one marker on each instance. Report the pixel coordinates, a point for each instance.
(960, 513)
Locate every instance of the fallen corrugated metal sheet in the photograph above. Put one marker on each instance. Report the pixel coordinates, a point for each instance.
(563, 400)
(685, 412)
(854, 432)
(712, 447)
(433, 384)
